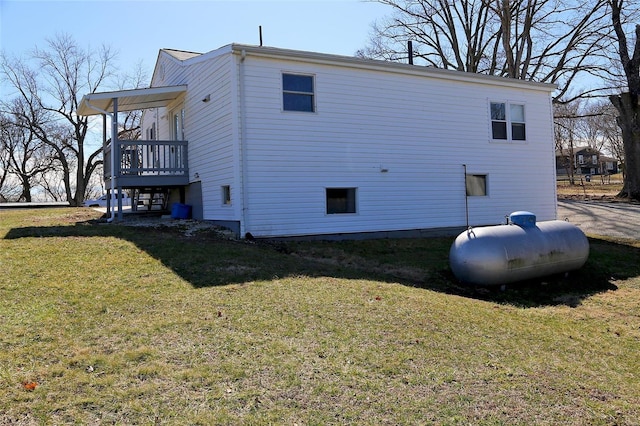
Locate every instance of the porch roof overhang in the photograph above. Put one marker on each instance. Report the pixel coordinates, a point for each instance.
(129, 100)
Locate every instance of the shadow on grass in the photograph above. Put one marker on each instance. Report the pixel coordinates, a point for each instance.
(206, 260)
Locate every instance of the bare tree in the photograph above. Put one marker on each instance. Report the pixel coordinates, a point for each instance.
(601, 129)
(27, 158)
(566, 134)
(552, 41)
(6, 187)
(612, 135)
(129, 121)
(50, 87)
(626, 103)
(581, 124)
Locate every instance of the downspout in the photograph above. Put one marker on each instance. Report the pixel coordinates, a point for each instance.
(114, 128)
(243, 148)
(553, 154)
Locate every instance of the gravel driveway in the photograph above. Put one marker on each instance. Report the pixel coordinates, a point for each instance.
(602, 218)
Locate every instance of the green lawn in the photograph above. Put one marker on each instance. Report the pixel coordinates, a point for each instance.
(111, 324)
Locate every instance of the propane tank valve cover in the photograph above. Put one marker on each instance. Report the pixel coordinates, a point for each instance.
(523, 219)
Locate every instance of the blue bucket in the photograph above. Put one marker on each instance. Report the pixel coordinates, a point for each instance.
(180, 211)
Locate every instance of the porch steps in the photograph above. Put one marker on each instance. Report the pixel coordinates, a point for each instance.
(148, 198)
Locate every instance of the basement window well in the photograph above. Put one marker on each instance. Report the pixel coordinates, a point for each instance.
(476, 185)
(341, 200)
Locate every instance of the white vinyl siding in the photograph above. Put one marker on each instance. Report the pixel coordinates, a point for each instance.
(370, 121)
(397, 140)
(208, 126)
(212, 145)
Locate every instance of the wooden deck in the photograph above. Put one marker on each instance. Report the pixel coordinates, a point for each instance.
(147, 164)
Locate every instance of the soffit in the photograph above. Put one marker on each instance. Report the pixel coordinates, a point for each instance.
(129, 100)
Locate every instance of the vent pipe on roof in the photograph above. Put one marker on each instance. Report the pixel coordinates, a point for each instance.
(410, 50)
(260, 31)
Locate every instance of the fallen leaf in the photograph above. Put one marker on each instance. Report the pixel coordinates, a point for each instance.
(30, 385)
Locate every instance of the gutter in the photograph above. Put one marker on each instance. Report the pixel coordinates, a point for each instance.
(387, 66)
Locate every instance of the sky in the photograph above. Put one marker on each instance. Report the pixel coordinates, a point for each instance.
(137, 30)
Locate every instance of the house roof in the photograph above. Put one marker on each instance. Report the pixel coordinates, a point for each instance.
(376, 64)
(136, 99)
(129, 100)
(567, 151)
(181, 55)
(354, 62)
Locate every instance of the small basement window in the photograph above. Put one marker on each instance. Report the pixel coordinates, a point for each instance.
(226, 195)
(341, 200)
(297, 93)
(476, 185)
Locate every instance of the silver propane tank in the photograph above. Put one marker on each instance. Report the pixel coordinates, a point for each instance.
(520, 250)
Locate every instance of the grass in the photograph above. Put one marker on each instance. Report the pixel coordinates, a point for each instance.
(599, 187)
(109, 324)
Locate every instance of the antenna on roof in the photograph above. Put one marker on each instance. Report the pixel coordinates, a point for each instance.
(260, 31)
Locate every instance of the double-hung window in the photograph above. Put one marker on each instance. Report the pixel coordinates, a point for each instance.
(508, 121)
(298, 93)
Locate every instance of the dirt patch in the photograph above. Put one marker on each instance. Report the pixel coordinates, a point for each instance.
(187, 227)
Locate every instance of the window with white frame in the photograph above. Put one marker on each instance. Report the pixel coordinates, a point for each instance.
(298, 92)
(508, 121)
(151, 132)
(226, 195)
(476, 185)
(341, 200)
(177, 124)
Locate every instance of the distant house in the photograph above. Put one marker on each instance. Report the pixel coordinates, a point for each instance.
(585, 161)
(276, 142)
